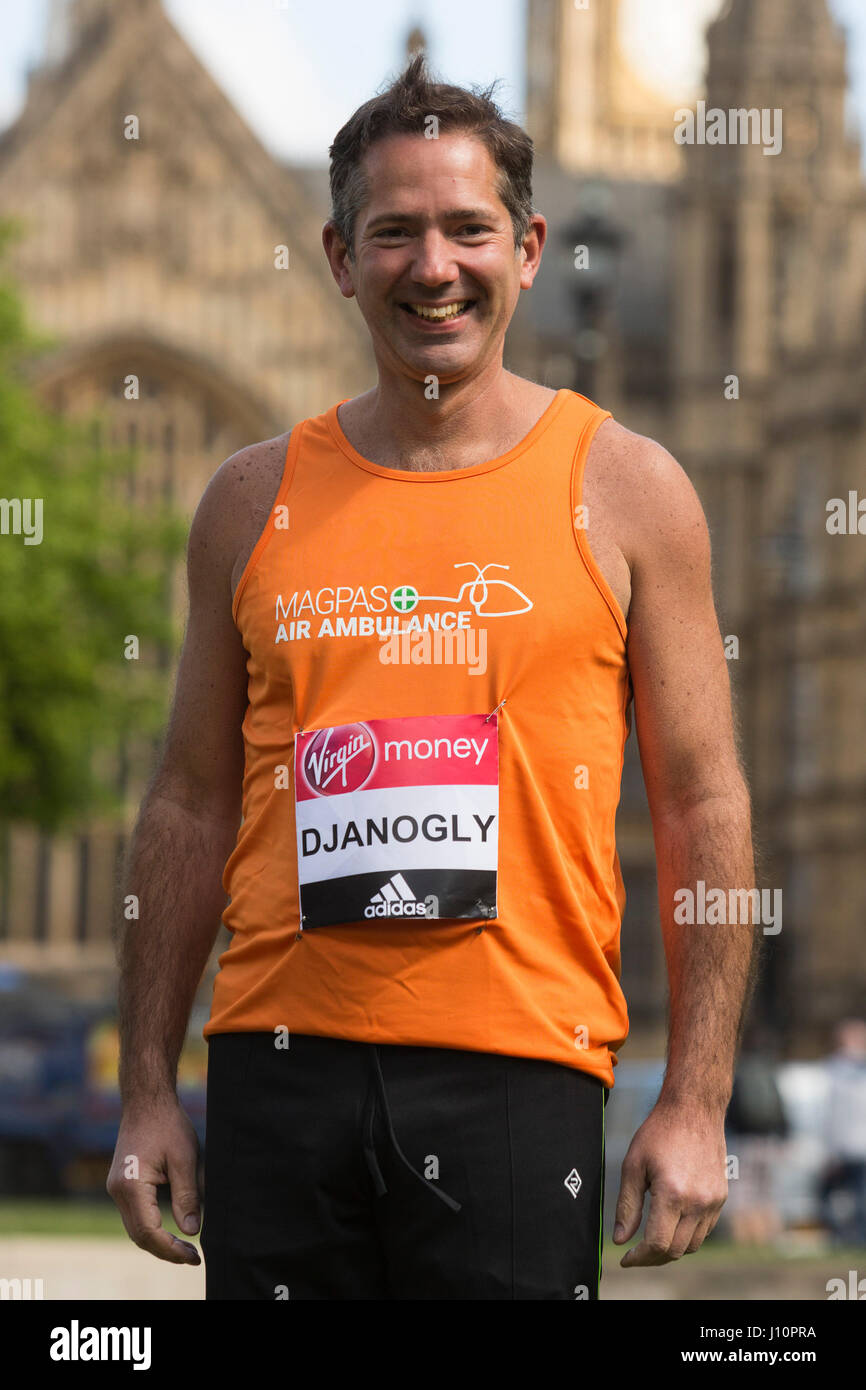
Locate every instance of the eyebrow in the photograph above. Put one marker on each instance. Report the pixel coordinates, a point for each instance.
(452, 215)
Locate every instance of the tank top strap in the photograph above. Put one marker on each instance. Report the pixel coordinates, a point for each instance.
(584, 418)
(574, 429)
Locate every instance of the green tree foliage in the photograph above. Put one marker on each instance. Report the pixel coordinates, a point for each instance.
(69, 697)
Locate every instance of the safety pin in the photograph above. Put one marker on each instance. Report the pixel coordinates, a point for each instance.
(493, 711)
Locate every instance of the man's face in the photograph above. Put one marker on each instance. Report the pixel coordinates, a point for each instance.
(435, 233)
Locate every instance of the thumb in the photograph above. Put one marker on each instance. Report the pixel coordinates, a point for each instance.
(185, 1204)
(629, 1205)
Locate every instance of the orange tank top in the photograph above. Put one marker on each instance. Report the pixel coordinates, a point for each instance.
(438, 697)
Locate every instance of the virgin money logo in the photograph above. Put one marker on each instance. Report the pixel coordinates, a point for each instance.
(339, 760)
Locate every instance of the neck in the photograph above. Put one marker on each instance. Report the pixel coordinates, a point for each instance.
(395, 424)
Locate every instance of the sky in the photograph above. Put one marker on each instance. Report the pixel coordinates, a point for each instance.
(302, 69)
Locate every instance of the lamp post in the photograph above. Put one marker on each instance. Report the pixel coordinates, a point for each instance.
(594, 243)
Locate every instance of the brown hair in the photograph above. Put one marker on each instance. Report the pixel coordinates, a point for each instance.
(403, 108)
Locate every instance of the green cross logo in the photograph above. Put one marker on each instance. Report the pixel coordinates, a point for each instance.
(404, 598)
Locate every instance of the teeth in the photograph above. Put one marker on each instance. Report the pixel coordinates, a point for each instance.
(443, 311)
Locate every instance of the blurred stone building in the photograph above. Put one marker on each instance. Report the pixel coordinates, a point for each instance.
(720, 309)
(189, 258)
(724, 313)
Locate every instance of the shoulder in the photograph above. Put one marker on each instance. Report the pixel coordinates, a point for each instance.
(246, 477)
(648, 491)
(641, 464)
(236, 503)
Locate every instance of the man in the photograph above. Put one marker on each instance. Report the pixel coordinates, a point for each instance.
(430, 609)
(845, 1136)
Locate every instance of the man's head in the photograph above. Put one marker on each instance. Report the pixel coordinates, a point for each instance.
(850, 1037)
(431, 192)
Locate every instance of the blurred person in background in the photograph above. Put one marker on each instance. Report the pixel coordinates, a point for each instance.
(758, 1129)
(845, 1132)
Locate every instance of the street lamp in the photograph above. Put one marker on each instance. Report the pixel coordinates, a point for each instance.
(594, 243)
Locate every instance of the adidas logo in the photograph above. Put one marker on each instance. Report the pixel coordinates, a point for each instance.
(395, 899)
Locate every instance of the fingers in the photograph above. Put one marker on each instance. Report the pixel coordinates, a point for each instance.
(137, 1203)
(672, 1231)
(185, 1200)
(662, 1224)
(629, 1206)
(707, 1225)
(161, 1243)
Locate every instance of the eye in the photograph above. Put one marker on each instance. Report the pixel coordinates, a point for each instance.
(472, 228)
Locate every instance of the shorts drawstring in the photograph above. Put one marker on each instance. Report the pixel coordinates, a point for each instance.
(370, 1152)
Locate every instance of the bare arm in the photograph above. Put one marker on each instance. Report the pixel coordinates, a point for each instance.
(184, 834)
(700, 811)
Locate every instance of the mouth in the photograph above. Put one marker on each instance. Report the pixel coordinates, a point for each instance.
(439, 314)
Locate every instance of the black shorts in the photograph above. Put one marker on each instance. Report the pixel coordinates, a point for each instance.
(338, 1169)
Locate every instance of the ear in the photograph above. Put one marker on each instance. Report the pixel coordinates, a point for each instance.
(533, 245)
(338, 259)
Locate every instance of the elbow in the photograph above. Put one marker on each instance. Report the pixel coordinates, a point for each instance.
(728, 802)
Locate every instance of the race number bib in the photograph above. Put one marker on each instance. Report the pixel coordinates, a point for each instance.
(398, 818)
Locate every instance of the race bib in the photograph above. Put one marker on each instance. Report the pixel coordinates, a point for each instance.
(398, 818)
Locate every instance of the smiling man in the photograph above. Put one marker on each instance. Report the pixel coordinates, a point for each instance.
(414, 1030)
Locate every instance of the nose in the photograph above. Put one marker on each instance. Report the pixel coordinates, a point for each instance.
(433, 263)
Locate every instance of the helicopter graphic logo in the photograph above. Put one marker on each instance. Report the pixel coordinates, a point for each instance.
(476, 592)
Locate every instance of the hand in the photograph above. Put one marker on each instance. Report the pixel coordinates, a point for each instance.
(157, 1144)
(679, 1153)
